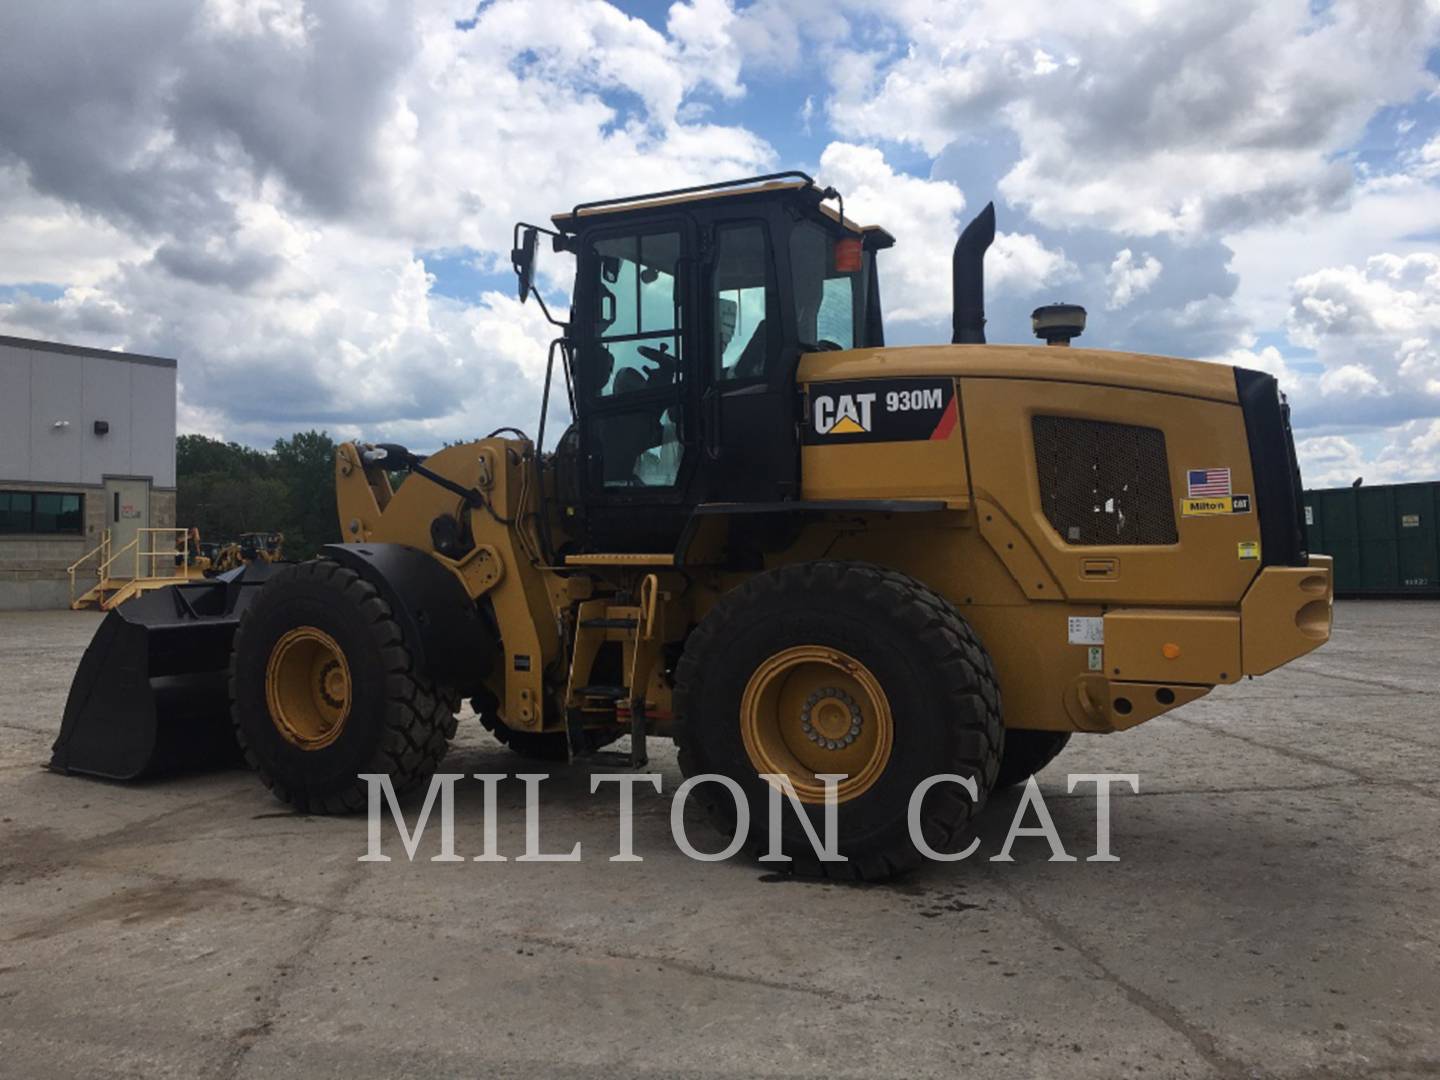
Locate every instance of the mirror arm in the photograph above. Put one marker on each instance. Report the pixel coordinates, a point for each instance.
(522, 262)
(564, 326)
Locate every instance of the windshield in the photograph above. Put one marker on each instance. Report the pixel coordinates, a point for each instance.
(637, 343)
(829, 301)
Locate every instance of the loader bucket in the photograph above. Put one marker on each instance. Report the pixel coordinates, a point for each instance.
(150, 696)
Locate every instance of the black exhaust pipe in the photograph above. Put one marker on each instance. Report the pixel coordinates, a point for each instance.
(968, 278)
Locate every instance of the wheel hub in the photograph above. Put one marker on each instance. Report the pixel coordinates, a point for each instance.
(308, 688)
(811, 710)
(831, 718)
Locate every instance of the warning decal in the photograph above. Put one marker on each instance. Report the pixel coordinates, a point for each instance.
(881, 410)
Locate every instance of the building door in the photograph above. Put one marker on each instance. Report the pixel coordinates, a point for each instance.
(127, 511)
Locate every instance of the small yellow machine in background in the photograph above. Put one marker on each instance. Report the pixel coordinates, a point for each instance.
(268, 547)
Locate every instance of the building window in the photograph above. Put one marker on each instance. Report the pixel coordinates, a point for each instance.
(42, 512)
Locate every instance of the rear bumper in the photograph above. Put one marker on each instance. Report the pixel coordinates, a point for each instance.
(1287, 612)
(1157, 659)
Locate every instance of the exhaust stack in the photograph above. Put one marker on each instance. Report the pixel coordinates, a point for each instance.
(968, 278)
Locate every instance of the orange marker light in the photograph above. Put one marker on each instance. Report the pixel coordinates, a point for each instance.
(1170, 650)
(848, 252)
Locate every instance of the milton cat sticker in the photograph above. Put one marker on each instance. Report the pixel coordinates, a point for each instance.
(881, 410)
(1209, 494)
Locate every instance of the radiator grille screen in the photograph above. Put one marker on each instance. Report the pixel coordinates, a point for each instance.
(1103, 483)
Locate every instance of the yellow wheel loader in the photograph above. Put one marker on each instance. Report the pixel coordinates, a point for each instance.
(252, 547)
(797, 551)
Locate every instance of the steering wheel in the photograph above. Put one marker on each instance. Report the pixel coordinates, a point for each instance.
(826, 345)
(665, 365)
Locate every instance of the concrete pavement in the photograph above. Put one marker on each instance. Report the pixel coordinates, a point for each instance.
(1274, 912)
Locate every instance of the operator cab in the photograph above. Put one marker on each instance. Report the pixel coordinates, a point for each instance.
(689, 314)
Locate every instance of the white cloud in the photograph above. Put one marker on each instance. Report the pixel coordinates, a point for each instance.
(1374, 330)
(1373, 364)
(807, 113)
(1268, 360)
(1129, 277)
(43, 239)
(1020, 263)
(1164, 116)
(922, 215)
(1329, 461)
(256, 202)
(1350, 380)
(1394, 213)
(257, 186)
(1399, 454)
(925, 217)
(1427, 162)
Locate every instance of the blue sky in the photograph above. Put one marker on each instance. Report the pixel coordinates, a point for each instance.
(309, 201)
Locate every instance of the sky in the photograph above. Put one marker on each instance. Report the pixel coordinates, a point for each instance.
(309, 203)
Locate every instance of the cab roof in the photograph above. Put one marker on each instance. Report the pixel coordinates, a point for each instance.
(774, 184)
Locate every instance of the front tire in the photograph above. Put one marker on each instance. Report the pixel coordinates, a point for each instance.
(840, 667)
(323, 687)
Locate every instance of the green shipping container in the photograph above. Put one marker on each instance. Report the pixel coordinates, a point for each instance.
(1384, 539)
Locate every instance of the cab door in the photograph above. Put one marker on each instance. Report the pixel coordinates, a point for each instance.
(635, 384)
(750, 408)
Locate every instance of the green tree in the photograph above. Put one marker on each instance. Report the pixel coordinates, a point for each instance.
(195, 454)
(225, 489)
(306, 464)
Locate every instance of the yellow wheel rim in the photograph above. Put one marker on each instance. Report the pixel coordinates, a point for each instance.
(811, 709)
(308, 688)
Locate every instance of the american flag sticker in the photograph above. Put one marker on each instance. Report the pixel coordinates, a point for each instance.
(1208, 483)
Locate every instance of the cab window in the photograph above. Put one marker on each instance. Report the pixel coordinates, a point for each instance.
(745, 324)
(637, 341)
(829, 302)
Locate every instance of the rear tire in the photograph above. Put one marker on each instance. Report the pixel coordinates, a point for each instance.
(376, 714)
(902, 658)
(1026, 753)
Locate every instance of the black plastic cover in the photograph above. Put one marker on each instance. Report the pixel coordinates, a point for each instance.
(443, 625)
(1278, 490)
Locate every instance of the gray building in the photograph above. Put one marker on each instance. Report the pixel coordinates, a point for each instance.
(87, 444)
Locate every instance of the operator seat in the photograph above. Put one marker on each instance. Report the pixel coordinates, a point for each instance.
(629, 435)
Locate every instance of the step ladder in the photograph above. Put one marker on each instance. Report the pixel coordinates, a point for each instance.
(634, 626)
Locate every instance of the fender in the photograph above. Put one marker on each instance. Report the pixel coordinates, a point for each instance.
(454, 643)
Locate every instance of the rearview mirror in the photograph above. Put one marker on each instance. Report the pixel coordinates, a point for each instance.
(522, 259)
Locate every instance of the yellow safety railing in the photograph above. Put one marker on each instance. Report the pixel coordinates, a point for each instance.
(178, 553)
(155, 558)
(100, 553)
(133, 545)
(146, 556)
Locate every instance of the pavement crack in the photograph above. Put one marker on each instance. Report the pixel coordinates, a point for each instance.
(1200, 1040)
(325, 916)
(1316, 671)
(688, 968)
(1289, 751)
